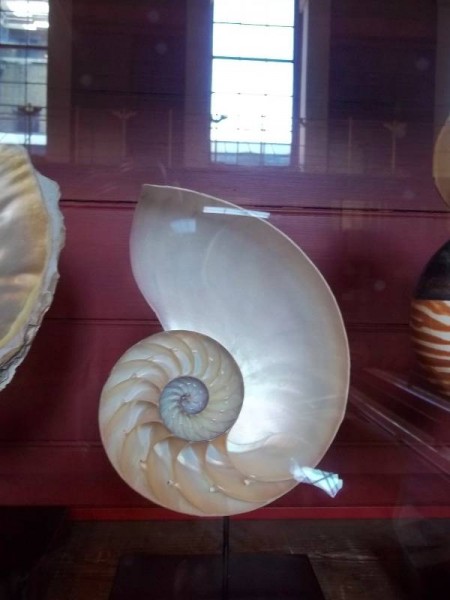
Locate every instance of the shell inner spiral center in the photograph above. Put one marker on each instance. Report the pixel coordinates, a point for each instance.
(188, 393)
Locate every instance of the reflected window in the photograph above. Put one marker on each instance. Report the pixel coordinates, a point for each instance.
(252, 82)
(23, 71)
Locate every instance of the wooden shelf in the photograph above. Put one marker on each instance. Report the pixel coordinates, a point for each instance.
(408, 412)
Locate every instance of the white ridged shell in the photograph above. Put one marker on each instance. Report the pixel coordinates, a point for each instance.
(207, 266)
(161, 360)
(31, 237)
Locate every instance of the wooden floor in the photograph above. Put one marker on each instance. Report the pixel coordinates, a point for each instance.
(353, 560)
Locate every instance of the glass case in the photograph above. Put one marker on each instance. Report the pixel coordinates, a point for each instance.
(327, 119)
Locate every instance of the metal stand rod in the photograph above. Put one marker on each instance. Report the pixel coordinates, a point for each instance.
(225, 556)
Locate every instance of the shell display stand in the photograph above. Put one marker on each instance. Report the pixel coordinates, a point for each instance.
(222, 577)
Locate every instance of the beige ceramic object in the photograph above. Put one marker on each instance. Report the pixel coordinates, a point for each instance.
(212, 271)
(441, 162)
(31, 237)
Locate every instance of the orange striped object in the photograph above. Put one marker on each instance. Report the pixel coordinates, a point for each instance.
(430, 334)
(430, 320)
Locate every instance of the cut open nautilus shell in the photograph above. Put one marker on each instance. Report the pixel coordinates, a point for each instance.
(249, 380)
(31, 237)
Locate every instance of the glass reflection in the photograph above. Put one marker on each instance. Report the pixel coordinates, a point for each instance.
(252, 83)
(23, 71)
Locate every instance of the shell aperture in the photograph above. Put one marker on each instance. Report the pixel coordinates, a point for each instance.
(249, 288)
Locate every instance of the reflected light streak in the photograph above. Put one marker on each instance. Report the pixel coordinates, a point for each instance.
(24, 9)
(218, 210)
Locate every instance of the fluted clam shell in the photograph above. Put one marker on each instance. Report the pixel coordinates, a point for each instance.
(207, 266)
(31, 237)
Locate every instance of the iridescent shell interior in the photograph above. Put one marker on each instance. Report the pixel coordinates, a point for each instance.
(212, 270)
(31, 237)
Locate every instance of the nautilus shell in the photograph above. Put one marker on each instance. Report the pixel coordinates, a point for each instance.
(430, 320)
(31, 237)
(248, 383)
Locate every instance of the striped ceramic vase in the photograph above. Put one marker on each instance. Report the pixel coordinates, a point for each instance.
(430, 320)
